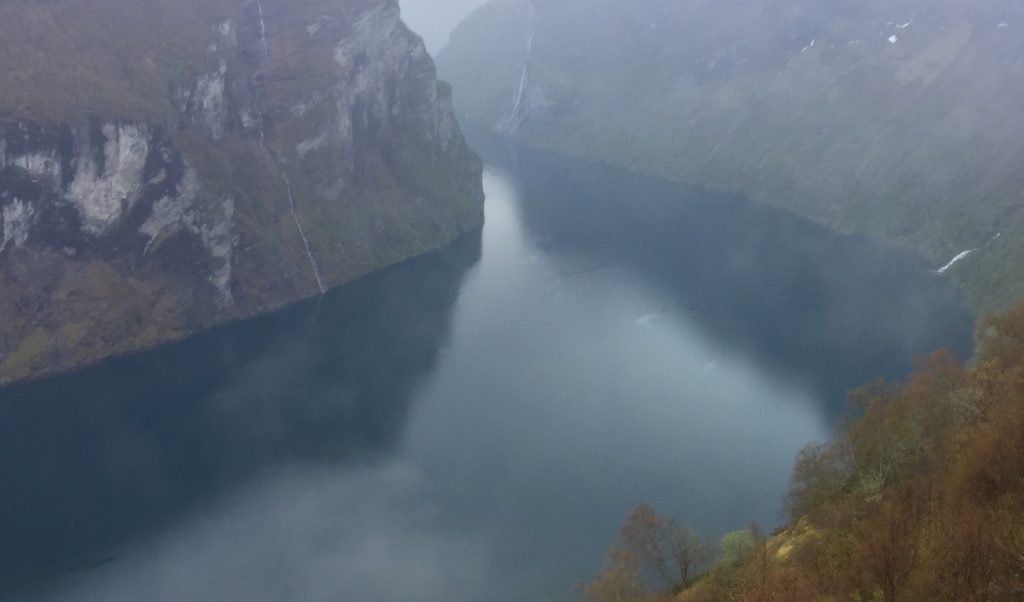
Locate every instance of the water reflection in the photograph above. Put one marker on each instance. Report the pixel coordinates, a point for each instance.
(826, 310)
(89, 460)
(429, 436)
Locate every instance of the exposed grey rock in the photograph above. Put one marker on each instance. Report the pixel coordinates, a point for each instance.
(300, 118)
(16, 221)
(106, 186)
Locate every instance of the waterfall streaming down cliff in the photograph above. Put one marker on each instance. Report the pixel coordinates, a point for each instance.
(222, 181)
(257, 84)
(263, 32)
(259, 75)
(964, 255)
(302, 233)
(956, 260)
(518, 115)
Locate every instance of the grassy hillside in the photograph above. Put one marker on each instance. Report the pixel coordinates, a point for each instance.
(919, 499)
(241, 156)
(897, 119)
(106, 57)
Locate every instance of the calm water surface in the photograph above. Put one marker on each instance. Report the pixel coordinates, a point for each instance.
(474, 424)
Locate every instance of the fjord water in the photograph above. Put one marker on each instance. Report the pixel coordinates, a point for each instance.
(473, 424)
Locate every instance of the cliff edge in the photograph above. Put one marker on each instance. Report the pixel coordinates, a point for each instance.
(166, 166)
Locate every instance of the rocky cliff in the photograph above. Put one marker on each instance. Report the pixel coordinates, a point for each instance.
(899, 119)
(166, 166)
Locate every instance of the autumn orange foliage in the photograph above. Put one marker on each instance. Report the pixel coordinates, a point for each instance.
(920, 498)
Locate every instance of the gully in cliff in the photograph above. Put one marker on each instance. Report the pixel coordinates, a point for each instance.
(259, 78)
(142, 209)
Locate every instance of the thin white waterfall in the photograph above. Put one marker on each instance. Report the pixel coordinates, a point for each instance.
(965, 254)
(256, 84)
(259, 76)
(518, 114)
(263, 32)
(956, 260)
(516, 117)
(302, 233)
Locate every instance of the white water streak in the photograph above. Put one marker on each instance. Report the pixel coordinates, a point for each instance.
(263, 32)
(955, 261)
(965, 255)
(518, 114)
(264, 61)
(302, 233)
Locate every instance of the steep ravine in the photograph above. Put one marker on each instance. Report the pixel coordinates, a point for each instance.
(166, 166)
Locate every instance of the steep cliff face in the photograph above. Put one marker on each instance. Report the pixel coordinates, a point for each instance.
(167, 166)
(899, 119)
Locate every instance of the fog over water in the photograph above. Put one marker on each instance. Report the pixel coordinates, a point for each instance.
(472, 425)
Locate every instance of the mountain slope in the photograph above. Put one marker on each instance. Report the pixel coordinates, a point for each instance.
(896, 119)
(919, 499)
(166, 166)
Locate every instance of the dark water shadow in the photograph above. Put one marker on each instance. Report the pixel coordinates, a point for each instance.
(828, 310)
(91, 460)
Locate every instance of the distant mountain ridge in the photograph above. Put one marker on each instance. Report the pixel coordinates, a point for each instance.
(901, 119)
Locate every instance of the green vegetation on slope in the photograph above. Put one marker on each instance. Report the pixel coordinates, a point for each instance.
(339, 96)
(65, 60)
(896, 119)
(919, 499)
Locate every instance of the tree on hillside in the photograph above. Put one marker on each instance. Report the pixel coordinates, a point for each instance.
(737, 546)
(919, 498)
(652, 555)
(1001, 337)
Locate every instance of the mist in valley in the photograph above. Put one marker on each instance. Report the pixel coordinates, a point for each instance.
(435, 19)
(511, 300)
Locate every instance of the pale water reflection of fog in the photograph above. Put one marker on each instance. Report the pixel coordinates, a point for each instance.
(583, 364)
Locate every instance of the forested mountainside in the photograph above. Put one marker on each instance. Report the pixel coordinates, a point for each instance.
(898, 119)
(168, 165)
(921, 498)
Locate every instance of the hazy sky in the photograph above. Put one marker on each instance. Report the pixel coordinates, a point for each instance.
(434, 19)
